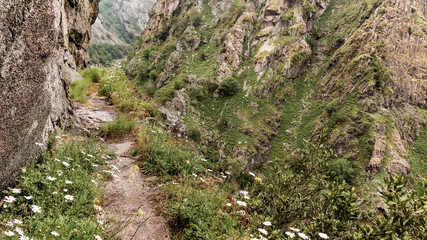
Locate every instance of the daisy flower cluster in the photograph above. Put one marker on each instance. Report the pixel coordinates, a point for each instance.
(46, 188)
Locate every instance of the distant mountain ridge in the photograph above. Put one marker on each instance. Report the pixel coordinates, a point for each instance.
(120, 21)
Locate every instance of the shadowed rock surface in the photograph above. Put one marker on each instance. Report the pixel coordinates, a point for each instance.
(41, 44)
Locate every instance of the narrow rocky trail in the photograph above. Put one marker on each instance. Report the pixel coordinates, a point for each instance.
(130, 197)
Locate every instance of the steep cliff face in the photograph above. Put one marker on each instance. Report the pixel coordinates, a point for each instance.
(41, 43)
(260, 78)
(120, 22)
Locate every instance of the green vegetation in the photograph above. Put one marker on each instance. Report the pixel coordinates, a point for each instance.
(104, 53)
(56, 195)
(81, 88)
(121, 126)
(229, 86)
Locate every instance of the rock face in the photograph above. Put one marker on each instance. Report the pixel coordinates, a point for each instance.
(119, 18)
(41, 43)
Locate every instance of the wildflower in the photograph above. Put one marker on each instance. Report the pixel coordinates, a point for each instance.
(28, 197)
(258, 179)
(294, 229)
(16, 190)
(68, 182)
(70, 159)
(9, 224)
(94, 165)
(9, 233)
(195, 175)
(240, 203)
(228, 204)
(210, 170)
(303, 236)
(92, 180)
(267, 223)
(24, 238)
(69, 197)
(97, 207)
(97, 237)
(19, 231)
(36, 209)
(100, 222)
(290, 234)
(56, 160)
(228, 173)
(66, 164)
(55, 234)
(263, 231)
(10, 199)
(59, 172)
(252, 174)
(223, 176)
(323, 235)
(17, 221)
(54, 193)
(51, 178)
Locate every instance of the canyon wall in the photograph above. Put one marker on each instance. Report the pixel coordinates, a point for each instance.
(42, 42)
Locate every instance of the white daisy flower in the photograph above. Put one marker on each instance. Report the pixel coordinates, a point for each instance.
(36, 209)
(294, 229)
(10, 199)
(69, 197)
(19, 231)
(68, 182)
(263, 231)
(323, 235)
(66, 164)
(24, 238)
(9, 224)
(28, 197)
(17, 221)
(240, 203)
(51, 178)
(9, 233)
(97, 237)
(65, 190)
(303, 236)
(97, 207)
(55, 234)
(16, 190)
(54, 193)
(290, 234)
(267, 223)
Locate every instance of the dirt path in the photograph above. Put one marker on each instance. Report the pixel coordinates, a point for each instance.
(129, 193)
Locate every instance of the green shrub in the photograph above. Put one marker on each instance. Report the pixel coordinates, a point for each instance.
(194, 134)
(178, 84)
(202, 213)
(92, 73)
(211, 86)
(164, 94)
(163, 155)
(121, 126)
(196, 92)
(229, 86)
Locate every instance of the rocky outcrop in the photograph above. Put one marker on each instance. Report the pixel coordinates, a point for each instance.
(384, 64)
(41, 42)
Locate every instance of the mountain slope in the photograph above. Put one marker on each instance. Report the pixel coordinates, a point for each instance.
(298, 73)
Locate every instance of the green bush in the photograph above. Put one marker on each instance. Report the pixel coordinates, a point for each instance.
(164, 156)
(194, 134)
(211, 86)
(164, 94)
(92, 73)
(196, 92)
(229, 86)
(203, 214)
(121, 126)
